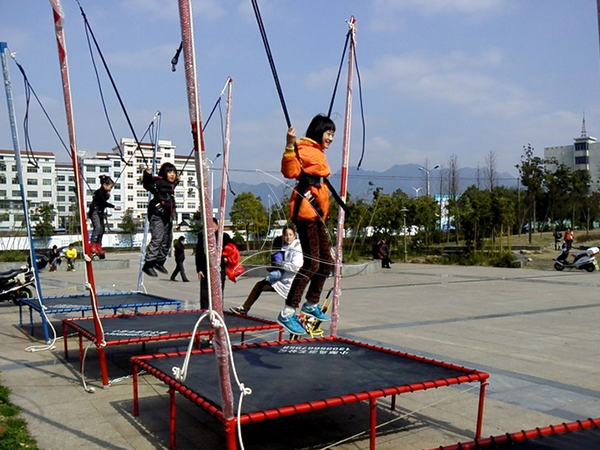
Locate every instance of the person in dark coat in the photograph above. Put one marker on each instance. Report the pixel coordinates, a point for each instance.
(179, 258)
(201, 267)
(97, 210)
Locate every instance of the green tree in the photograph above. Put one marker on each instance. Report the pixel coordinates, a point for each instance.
(248, 214)
(129, 225)
(44, 218)
(532, 174)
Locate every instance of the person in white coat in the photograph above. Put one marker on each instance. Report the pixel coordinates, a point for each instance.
(292, 261)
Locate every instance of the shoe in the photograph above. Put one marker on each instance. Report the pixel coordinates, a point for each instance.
(315, 311)
(173, 279)
(161, 268)
(149, 270)
(239, 310)
(291, 324)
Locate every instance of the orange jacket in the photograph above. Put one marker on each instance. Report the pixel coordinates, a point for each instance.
(314, 163)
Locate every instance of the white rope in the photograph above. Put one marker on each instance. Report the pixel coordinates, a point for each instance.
(180, 373)
(50, 345)
(404, 416)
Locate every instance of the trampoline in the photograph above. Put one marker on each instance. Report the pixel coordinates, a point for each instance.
(126, 329)
(349, 372)
(75, 303)
(579, 435)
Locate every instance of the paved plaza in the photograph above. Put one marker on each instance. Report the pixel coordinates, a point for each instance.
(535, 332)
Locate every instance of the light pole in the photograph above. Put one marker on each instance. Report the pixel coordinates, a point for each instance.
(404, 211)
(417, 191)
(423, 169)
(212, 178)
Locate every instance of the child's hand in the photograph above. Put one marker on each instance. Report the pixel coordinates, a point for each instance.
(291, 137)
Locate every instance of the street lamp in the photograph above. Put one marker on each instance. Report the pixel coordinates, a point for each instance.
(212, 177)
(404, 211)
(423, 169)
(417, 191)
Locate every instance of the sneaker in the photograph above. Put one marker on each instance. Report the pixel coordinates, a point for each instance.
(239, 310)
(149, 270)
(315, 311)
(291, 324)
(161, 268)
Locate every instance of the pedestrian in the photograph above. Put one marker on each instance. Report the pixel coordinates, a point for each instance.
(179, 258)
(568, 238)
(280, 278)
(382, 254)
(202, 268)
(96, 213)
(54, 257)
(161, 210)
(305, 161)
(71, 255)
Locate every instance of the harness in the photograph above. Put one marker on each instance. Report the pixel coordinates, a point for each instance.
(302, 188)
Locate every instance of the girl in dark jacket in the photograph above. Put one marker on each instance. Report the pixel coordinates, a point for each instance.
(96, 213)
(161, 211)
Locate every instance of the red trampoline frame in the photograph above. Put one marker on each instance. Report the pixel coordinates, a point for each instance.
(73, 323)
(139, 362)
(523, 435)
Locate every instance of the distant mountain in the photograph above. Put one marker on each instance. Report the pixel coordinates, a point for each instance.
(362, 183)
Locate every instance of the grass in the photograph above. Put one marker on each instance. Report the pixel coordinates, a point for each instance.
(13, 430)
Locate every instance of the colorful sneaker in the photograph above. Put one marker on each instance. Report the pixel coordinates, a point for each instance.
(239, 310)
(291, 324)
(315, 311)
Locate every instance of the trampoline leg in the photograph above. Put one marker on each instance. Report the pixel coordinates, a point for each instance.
(30, 321)
(393, 403)
(80, 352)
(21, 314)
(172, 423)
(103, 369)
(480, 410)
(230, 435)
(242, 337)
(373, 427)
(65, 341)
(136, 410)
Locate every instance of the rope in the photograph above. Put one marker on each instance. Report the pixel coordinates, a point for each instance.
(337, 79)
(362, 111)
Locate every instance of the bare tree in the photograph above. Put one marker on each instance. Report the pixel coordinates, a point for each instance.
(453, 177)
(490, 169)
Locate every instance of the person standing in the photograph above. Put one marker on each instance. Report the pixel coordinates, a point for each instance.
(568, 238)
(96, 213)
(179, 258)
(305, 161)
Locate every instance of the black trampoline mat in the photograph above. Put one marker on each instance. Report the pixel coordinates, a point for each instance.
(588, 439)
(105, 301)
(291, 374)
(150, 325)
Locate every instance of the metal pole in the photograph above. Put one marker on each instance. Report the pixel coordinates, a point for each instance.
(405, 257)
(15, 138)
(213, 254)
(344, 183)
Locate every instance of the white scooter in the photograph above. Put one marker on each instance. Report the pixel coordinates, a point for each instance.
(583, 260)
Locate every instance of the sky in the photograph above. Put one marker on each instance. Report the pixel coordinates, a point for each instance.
(439, 77)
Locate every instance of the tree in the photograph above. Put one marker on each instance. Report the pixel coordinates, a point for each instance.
(490, 170)
(44, 216)
(532, 173)
(129, 225)
(248, 214)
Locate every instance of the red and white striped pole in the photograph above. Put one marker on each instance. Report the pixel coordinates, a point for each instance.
(89, 270)
(214, 254)
(225, 172)
(344, 182)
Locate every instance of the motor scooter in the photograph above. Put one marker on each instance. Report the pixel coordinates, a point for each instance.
(17, 283)
(584, 260)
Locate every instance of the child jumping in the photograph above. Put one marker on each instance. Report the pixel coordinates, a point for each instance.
(161, 211)
(309, 206)
(96, 213)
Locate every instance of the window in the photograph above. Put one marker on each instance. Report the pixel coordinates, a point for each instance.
(32, 182)
(47, 194)
(61, 198)
(91, 169)
(32, 169)
(167, 155)
(141, 193)
(3, 166)
(47, 169)
(117, 163)
(60, 178)
(116, 175)
(71, 177)
(130, 175)
(103, 169)
(90, 180)
(16, 193)
(47, 182)
(117, 198)
(3, 193)
(14, 168)
(191, 206)
(581, 160)
(130, 198)
(15, 180)
(3, 179)
(89, 192)
(581, 146)
(61, 188)
(142, 205)
(117, 186)
(129, 186)
(32, 194)
(191, 193)
(62, 208)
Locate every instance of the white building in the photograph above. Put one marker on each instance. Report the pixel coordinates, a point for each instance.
(583, 154)
(54, 183)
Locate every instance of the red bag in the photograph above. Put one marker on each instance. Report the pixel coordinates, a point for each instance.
(233, 267)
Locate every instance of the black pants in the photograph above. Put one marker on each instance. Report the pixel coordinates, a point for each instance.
(179, 270)
(317, 263)
(160, 242)
(204, 289)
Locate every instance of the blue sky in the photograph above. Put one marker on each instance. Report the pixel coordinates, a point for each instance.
(440, 77)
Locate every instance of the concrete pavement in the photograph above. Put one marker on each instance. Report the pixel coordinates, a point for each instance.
(535, 332)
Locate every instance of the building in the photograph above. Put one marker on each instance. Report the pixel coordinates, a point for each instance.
(583, 154)
(48, 181)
